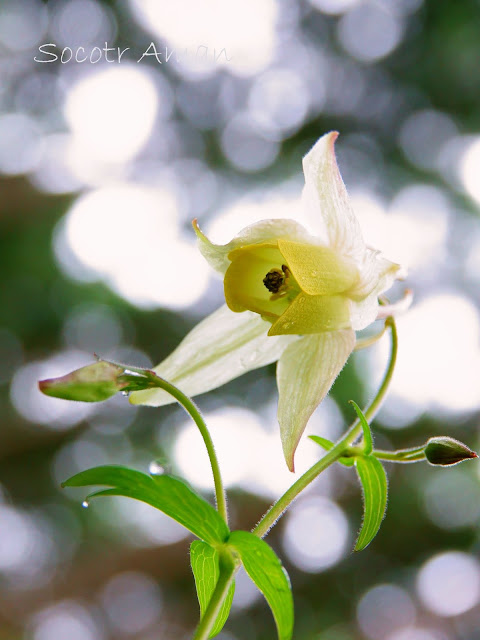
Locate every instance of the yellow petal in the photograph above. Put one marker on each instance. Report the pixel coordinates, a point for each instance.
(313, 314)
(244, 288)
(318, 270)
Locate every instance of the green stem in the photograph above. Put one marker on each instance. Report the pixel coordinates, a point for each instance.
(225, 579)
(377, 402)
(415, 454)
(192, 409)
(282, 504)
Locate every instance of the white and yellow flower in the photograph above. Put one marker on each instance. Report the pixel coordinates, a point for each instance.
(290, 297)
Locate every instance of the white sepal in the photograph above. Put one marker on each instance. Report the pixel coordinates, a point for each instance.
(263, 231)
(305, 372)
(326, 201)
(220, 348)
(377, 275)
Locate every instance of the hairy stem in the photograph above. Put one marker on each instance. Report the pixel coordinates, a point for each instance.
(282, 504)
(194, 412)
(415, 454)
(377, 402)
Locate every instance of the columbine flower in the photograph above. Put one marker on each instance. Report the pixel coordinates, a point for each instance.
(289, 297)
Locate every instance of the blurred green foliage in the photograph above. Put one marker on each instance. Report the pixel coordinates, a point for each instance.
(435, 67)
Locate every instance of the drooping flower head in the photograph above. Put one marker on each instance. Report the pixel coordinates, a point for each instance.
(291, 297)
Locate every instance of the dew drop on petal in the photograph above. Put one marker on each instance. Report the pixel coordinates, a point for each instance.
(125, 393)
(85, 504)
(248, 360)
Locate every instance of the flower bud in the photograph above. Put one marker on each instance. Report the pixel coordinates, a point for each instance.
(93, 383)
(446, 451)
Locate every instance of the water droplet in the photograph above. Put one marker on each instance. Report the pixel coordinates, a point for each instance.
(85, 504)
(314, 273)
(155, 468)
(125, 393)
(287, 325)
(249, 359)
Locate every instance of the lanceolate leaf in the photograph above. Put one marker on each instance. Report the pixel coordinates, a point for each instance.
(205, 566)
(367, 434)
(166, 493)
(374, 482)
(323, 442)
(266, 571)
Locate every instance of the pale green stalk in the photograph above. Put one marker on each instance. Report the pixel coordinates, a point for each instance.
(192, 409)
(377, 402)
(415, 454)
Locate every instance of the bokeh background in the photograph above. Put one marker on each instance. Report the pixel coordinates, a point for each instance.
(103, 164)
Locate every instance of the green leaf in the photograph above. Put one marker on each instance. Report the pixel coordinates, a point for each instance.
(367, 434)
(166, 493)
(323, 442)
(374, 482)
(347, 461)
(268, 574)
(206, 570)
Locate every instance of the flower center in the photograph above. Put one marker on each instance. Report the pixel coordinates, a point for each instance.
(275, 280)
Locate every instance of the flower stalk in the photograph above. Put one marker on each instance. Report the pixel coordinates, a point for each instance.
(191, 408)
(415, 454)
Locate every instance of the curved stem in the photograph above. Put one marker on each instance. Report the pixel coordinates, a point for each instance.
(415, 454)
(194, 412)
(282, 504)
(372, 410)
(377, 402)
